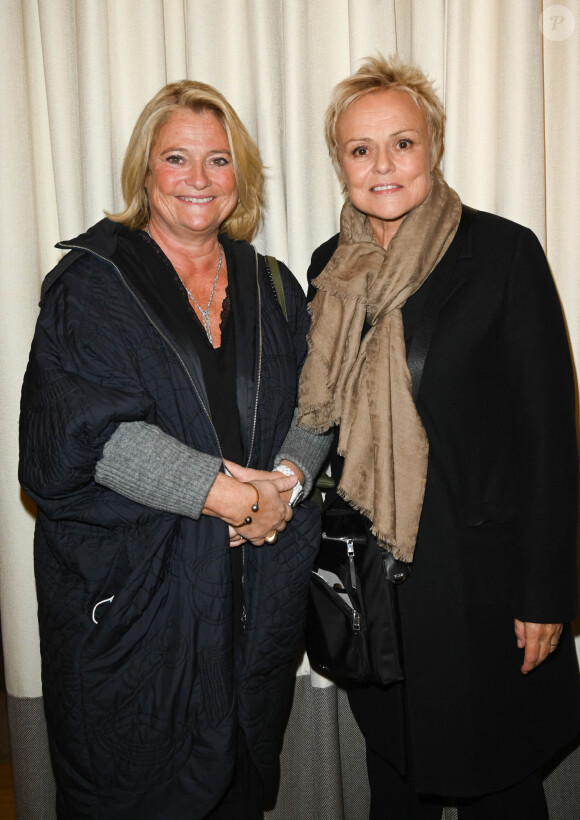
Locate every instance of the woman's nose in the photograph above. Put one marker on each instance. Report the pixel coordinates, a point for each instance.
(384, 162)
(198, 176)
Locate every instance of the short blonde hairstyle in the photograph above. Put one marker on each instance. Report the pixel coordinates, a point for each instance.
(248, 169)
(386, 74)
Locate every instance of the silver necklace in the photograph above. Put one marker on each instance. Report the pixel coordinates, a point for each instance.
(205, 313)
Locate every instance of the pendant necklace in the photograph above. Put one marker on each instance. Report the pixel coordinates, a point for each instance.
(205, 313)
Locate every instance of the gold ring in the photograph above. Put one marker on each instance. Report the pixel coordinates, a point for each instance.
(272, 538)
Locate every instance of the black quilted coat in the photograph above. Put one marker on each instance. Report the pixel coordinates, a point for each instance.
(143, 707)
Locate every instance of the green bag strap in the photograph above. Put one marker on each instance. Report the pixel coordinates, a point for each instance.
(274, 270)
(323, 481)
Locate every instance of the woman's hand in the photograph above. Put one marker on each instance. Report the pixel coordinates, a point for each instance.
(236, 539)
(538, 640)
(232, 501)
(248, 474)
(274, 511)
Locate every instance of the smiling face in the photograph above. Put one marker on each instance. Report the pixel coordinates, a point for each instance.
(384, 152)
(190, 184)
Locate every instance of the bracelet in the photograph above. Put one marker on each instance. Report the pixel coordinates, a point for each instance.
(255, 507)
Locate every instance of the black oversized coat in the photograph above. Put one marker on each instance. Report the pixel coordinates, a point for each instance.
(498, 532)
(144, 700)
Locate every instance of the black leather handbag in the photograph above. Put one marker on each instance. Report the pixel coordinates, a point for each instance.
(352, 631)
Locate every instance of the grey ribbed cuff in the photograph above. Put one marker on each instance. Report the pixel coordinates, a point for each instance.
(305, 449)
(149, 466)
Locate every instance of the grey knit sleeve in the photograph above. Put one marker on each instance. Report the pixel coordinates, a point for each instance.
(306, 450)
(149, 466)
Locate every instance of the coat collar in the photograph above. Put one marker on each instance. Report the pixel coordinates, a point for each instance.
(460, 271)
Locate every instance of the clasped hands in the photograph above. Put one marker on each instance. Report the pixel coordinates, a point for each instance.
(232, 498)
(274, 490)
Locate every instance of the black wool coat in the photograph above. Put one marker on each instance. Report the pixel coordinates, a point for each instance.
(498, 532)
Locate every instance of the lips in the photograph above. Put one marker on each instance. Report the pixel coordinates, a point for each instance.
(380, 188)
(196, 200)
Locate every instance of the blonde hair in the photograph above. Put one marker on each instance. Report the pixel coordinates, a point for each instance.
(386, 74)
(248, 169)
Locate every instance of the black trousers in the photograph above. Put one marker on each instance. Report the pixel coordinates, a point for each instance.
(393, 797)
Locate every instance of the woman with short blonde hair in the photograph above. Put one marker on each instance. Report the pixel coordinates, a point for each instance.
(439, 355)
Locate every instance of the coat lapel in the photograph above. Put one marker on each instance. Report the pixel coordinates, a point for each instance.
(460, 271)
(159, 295)
(242, 261)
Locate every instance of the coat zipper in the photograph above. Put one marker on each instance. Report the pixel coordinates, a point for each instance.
(250, 451)
(259, 376)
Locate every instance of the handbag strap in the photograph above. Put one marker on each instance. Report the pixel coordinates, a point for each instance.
(323, 481)
(424, 333)
(276, 280)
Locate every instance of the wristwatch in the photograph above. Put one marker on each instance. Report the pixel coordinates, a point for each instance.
(297, 489)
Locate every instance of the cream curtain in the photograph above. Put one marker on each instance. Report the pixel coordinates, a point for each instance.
(76, 73)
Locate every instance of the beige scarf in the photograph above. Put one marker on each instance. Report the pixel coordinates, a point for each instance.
(365, 386)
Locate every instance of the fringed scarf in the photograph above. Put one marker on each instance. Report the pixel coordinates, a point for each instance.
(365, 386)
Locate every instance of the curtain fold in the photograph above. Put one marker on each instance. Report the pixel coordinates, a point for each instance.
(76, 75)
